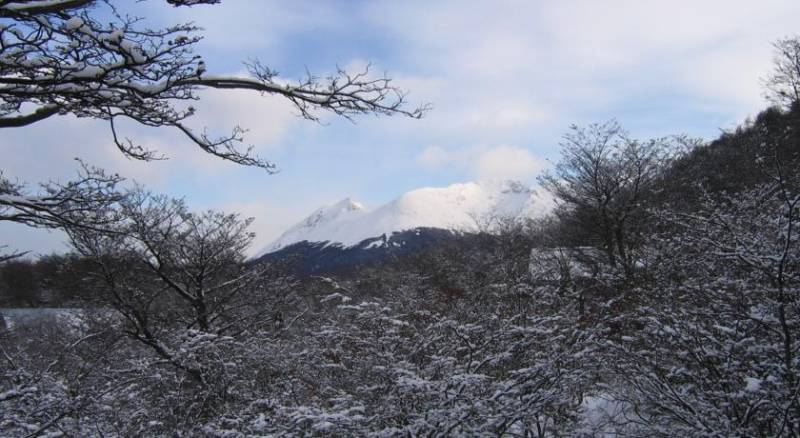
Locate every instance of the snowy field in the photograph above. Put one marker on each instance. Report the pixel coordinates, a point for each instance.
(15, 318)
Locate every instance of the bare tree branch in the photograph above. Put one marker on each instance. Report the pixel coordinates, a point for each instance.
(59, 58)
(83, 202)
(782, 86)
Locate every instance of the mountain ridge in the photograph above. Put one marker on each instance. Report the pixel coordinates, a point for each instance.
(460, 207)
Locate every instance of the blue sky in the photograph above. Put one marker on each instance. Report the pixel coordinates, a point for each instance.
(506, 79)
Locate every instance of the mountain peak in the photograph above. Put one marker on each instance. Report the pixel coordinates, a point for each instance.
(351, 205)
(458, 207)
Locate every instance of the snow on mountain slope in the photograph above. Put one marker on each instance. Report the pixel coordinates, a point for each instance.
(458, 207)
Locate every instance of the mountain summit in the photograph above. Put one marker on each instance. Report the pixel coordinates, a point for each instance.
(463, 207)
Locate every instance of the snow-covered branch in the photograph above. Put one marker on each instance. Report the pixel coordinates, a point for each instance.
(58, 58)
(83, 202)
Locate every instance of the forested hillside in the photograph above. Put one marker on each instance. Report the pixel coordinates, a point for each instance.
(742, 158)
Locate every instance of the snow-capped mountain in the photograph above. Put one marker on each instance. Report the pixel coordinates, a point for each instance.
(463, 207)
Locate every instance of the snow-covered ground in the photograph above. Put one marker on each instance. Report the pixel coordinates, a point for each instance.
(460, 207)
(21, 317)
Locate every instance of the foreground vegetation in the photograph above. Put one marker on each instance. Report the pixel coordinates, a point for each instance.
(659, 299)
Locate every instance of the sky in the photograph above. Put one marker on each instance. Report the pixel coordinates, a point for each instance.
(505, 79)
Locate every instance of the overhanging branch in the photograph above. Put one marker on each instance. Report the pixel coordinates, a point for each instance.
(27, 119)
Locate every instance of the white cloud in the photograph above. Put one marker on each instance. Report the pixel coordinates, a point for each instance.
(507, 162)
(587, 55)
(433, 157)
(507, 116)
(482, 162)
(266, 118)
